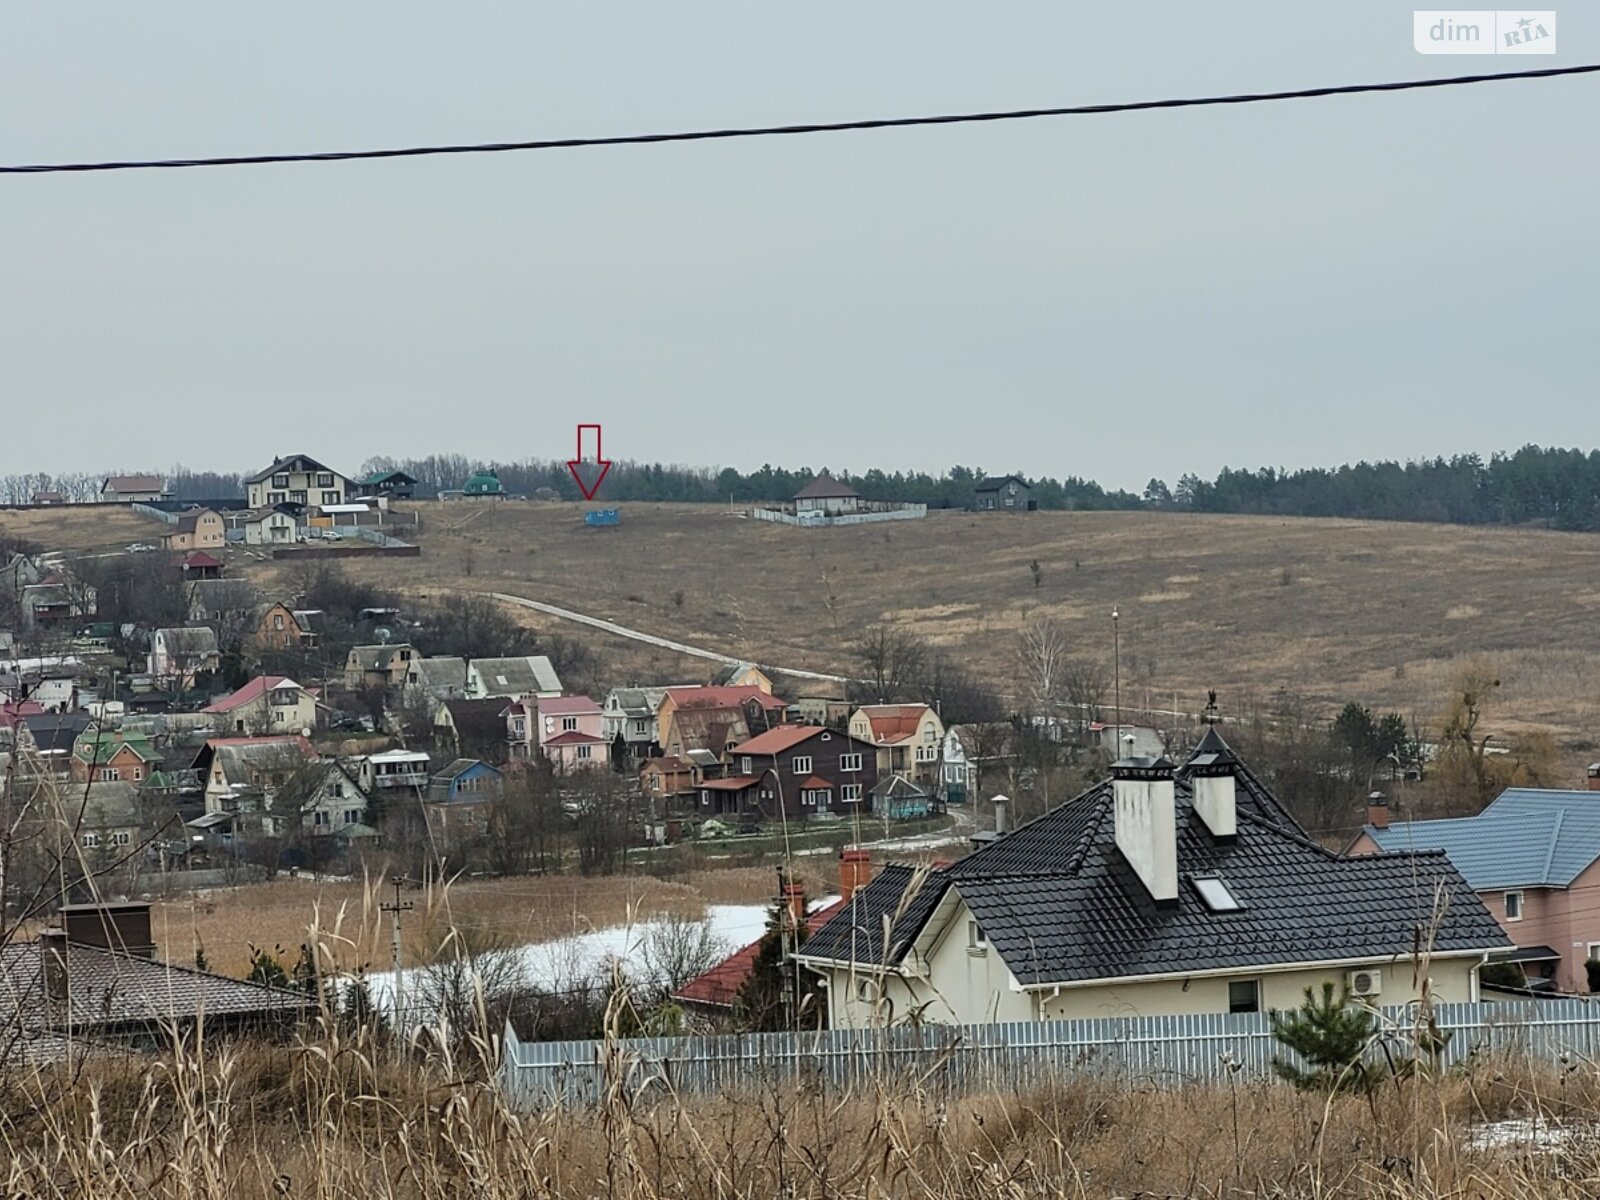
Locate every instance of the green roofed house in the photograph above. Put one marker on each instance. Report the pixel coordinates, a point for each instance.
(484, 483)
(111, 755)
(397, 485)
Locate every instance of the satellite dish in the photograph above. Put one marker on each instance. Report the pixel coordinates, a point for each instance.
(305, 732)
(383, 633)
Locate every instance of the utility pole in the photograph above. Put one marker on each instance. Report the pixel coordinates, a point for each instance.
(399, 906)
(1116, 659)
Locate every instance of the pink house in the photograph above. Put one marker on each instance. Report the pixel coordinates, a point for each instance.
(570, 731)
(1534, 857)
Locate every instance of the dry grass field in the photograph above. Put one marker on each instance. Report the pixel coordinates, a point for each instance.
(227, 922)
(1381, 612)
(81, 528)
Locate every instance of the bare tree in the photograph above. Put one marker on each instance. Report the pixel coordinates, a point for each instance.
(1042, 665)
(676, 949)
(892, 661)
(1086, 684)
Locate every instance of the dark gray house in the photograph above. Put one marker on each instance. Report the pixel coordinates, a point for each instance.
(1006, 493)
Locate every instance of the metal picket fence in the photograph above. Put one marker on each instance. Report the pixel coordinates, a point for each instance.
(1160, 1051)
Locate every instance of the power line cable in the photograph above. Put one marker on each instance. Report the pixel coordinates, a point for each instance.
(759, 131)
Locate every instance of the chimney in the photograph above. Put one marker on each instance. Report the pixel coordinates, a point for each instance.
(1147, 823)
(855, 871)
(1000, 803)
(124, 926)
(1211, 778)
(53, 964)
(794, 899)
(1378, 808)
(1594, 777)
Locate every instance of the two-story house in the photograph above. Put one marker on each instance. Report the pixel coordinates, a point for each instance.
(709, 718)
(631, 712)
(511, 678)
(570, 733)
(390, 771)
(178, 656)
(297, 479)
(382, 666)
(243, 776)
(197, 529)
(460, 800)
(1005, 493)
(268, 704)
(280, 628)
(112, 756)
(796, 770)
(1532, 856)
(132, 489)
(909, 739)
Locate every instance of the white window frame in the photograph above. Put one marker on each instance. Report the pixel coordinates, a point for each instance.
(585, 751)
(1520, 905)
(977, 940)
(91, 841)
(1592, 952)
(802, 764)
(745, 767)
(850, 762)
(569, 724)
(121, 838)
(850, 793)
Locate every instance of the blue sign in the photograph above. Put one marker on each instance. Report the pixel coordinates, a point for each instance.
(603, 516)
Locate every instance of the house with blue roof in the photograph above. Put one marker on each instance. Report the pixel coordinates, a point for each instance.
(1533, 857)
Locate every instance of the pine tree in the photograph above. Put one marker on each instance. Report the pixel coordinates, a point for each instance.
(265, 968)
(1330, 1036)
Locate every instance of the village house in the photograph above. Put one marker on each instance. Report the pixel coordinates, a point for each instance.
(909, 739)
(107, 755)
(511, 678)
(243, 776)
(197, 529)
(280, 627)
(55, 603)
(297, 479)
(1006, 493)
(106, 818)
(263, 526)
(471, 729)
(393, 770)
(380, 666)
(94, 979)
(1533, 857)
(826, 495)
(670, 783)
(570, 733)
(268, 704)
(631, 713)
(179, 656)
(708, 718)
(439, 678)
(223, 603)
(959, 778)
(823, 710)
(802, 770)
(1159, 892)
(396, 485)
(460, 799)
(132, 489)
(330, 801)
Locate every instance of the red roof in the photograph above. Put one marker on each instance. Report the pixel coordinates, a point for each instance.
(300, 741)
(12, 712)
(253, 690)
(893, 722)
(568, 706)
(778, 739)
(720, 985)
(201, 559)
(726, 696)
(815, 783)
(669, 764)
(573, 738)
(733, 783)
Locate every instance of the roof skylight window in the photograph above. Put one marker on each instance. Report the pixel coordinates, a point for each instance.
(1214, 894)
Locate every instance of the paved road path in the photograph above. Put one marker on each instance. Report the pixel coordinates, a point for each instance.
(567, 614)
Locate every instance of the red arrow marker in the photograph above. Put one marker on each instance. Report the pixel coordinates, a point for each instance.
(589, 489)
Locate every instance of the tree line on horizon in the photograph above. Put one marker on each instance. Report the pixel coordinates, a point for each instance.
(1553, 487)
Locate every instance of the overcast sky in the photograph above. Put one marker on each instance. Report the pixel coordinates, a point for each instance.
(1115, 297)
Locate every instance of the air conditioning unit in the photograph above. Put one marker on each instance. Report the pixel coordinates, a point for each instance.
(1366, 983)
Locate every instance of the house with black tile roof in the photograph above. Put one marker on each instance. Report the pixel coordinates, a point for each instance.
(1163, 890)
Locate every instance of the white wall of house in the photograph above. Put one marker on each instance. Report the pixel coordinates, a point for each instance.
(963, 983)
